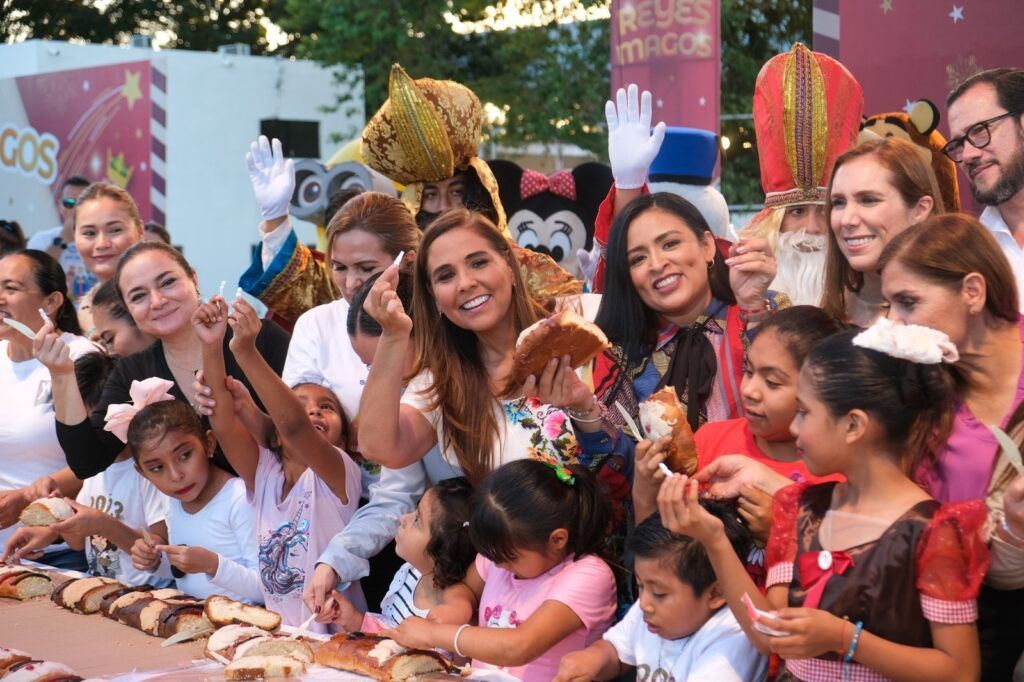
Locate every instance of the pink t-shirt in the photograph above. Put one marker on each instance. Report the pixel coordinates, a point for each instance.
(965, 466)
(586, 586)
(292, 532)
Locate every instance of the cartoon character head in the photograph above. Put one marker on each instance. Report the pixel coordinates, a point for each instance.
(920, 126)
(315, 183)
(553, 215)
(685, 166)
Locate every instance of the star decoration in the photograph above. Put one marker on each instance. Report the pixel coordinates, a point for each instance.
(86, 86)
(703, 101)
(886, 6)
(660, 103)
(957, 14)
(130, 89)
(908, 106)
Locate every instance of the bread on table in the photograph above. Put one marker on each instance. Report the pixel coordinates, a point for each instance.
(80, 593)
(225, 641)
(275, 646)
(663, 415)
(112, 609)
(263, 667)
(564, 333)
(40, 671)
(177, 618)
(112, 597)
(224, 611)
(11, 657)
(25, 584)
(45, 511)
(378, 657)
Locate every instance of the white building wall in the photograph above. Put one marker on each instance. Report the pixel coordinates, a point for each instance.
(214, 107)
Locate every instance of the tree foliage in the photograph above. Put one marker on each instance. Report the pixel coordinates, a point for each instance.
(186, 24)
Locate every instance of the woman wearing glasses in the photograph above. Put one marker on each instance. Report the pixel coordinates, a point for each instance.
(878, 189)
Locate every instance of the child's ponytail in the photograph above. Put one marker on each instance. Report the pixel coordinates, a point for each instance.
(520, 504)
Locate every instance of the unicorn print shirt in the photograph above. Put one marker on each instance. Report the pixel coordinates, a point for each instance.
(292, 532)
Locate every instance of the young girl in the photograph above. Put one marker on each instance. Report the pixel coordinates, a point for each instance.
(871, 578)
(210, 548)
(305, 489)
(434, 542)
(768, 391)
(538, 584)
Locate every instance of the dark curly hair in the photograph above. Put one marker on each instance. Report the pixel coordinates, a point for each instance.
(449, 547)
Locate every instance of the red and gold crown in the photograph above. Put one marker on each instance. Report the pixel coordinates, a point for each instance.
(807, 111)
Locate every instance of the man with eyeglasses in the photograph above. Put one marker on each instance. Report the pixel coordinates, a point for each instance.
(59, 241)
(986, 123)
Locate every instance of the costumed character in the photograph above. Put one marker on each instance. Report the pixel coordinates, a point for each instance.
(920, 126)
(685, 166)
(425, 136)
(553, 214)
(807, 111)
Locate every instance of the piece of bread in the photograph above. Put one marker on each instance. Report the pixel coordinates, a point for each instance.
(224, 611)
(263, 667)
(25, 585)
(72, 593)
(564, 333)
(275, 646)
(111, 605)
(168, 593)
(663, 415)
(45, 511)
(40, 671)
(226, 640)
(182, 618)
(378, 657)
(10, 658)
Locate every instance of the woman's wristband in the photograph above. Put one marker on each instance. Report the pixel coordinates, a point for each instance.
(583, 416)
(455, 640)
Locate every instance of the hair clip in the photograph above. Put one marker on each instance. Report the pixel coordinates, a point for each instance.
(911, 342)
(465, 524)
(563, 474)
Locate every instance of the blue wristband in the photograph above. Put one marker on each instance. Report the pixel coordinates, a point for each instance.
(852, 650)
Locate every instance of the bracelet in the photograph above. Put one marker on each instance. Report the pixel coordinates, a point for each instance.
(455, 640)
(1006, 529)
(852, 650)
(747, 313)
(581, 417)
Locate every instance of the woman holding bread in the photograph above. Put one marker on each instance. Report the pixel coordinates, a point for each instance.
(676, 312)
(472, 305)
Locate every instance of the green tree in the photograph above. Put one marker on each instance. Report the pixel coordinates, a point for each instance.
(753, 31)
(185, 24)
(549, 81)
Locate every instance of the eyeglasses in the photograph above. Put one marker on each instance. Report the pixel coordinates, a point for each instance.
(68, 202)
(978, 135)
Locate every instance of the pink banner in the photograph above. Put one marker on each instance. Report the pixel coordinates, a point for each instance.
(100, 118)
(672, 48)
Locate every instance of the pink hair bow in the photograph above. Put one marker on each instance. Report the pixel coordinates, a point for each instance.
(561, 183)
(143, 393)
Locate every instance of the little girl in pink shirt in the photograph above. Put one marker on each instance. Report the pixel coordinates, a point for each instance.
(538, 584)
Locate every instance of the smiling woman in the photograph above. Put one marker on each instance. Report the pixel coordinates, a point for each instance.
(159, 290)
(878, 189)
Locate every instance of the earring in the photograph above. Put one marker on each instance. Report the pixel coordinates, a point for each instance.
(711, 265)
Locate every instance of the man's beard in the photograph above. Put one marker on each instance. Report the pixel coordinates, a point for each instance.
(1010, 182)
(800, 258)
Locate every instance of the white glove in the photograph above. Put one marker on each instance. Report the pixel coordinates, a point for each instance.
(631, 144)
(272, 177)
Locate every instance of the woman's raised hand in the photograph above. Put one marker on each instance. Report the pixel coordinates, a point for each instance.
(272, 177)
(751, 270)
(383, 304)
(245, 326)
(681, 512)
(50, 350)
(559, 385)
(726, 476)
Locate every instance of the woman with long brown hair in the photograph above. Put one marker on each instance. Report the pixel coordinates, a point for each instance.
(878, 189)
(470, 304)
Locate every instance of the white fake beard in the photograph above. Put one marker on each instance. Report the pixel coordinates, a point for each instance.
(800, 258)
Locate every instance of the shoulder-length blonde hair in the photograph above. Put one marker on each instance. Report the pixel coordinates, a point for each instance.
(452, 354)
(381, 215)
(910, 175)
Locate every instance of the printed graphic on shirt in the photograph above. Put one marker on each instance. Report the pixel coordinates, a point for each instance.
(276, 573)
(498, 617)
(644, 673)
(104, 559)
(547, 427)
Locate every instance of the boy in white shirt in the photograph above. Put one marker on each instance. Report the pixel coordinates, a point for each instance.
(680, 628)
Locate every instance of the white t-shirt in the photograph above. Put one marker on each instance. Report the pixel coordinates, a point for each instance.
(123, 493)
(527, 427)
(993, 220)
(718, 652)
(224, 526)
(28, 431)
(292, 532)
